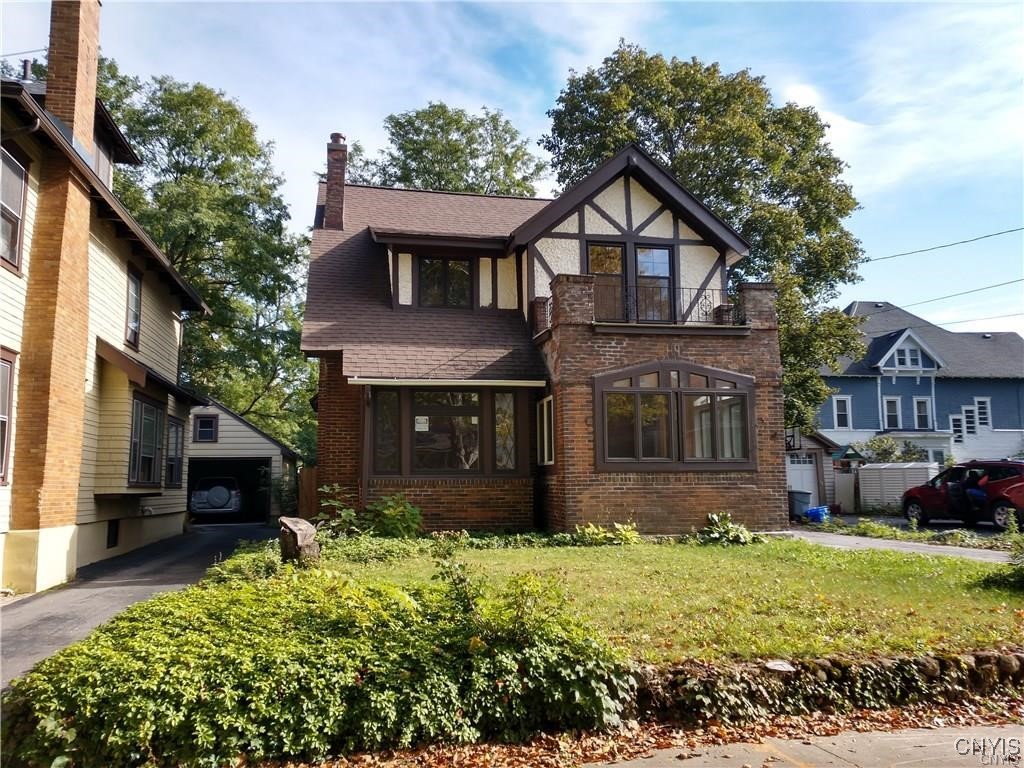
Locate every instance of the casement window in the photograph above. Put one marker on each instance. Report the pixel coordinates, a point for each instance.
(445, 282)
(922, 413)
(6, 410)
(146, 442)
(175, 452)
(638, 289)
(13, 192)
(205, 429)
(674, 416)
(891, 412)
(546, 431)
(983, 407)
(133, 319)
(445, 432)
(842, 410)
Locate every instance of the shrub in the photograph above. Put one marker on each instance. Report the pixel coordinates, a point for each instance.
(723, 531)
(308, 664)
(620, 534)
(364, 548)
(251, 560)
(392, 516)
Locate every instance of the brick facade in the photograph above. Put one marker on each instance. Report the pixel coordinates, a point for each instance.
(495, 504)
(658, 502)
(339, 431)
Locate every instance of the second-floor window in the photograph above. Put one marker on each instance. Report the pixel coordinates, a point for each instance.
(892, 413)
(842, 413)
(445, 282)
(14, 183)
(635, 289)
(908, 357)
(205, 429)
(133, 321)
(922, 413)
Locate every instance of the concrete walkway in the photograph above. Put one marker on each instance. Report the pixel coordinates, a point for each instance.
(34, 627)
(921, 748)
(840, 541)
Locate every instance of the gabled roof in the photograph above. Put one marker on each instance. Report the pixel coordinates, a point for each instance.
(970, 354)
(220, 406)
(633, 160)
(899, 337)
(14, 94)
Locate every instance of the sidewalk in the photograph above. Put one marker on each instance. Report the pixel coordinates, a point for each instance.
(921, 748)
(841, 541)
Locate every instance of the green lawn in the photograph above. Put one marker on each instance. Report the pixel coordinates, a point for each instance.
(780, 598)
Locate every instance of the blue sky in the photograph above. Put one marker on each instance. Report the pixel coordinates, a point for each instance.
(925, 100)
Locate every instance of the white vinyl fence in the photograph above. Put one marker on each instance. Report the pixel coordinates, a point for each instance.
(882, 485)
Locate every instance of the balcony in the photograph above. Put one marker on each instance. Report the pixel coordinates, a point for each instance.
(660, 304)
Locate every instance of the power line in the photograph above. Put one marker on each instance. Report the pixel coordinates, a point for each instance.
(964, 293)
(969, 320)
(946, 245)
(19, 53)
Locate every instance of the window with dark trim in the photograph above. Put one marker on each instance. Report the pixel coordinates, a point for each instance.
(445, 282)
(634, 289)
(175, 452)
(145, 463)
(674, 416)
(447, 432)
(133, 316)
(205, 429)
(7, 359)
(13, 192)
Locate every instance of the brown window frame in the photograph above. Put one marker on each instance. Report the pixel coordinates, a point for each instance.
(9, 358)
(133, 273)
(486, 464)
(719, 383)
(158, 458)
(216, 428)
(474, 280)
(173, 479)
(546, 431)
(629, 278)
(24, 162)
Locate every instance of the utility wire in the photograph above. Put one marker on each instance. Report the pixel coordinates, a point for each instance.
(19, 53)
(969, 320)
(964, 293)
(946, 245)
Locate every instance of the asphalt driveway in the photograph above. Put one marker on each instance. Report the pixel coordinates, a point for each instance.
(34, 627)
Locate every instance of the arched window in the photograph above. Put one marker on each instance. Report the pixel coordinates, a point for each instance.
(673, 415)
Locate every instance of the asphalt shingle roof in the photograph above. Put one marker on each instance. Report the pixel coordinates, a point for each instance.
(348, 305)
(970, 354)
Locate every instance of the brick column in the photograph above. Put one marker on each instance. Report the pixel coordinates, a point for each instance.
(758, 305)
(572, 300)
(339, 432)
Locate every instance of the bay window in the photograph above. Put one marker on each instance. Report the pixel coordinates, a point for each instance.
(673, 416)
(175, 452)
(144, 463)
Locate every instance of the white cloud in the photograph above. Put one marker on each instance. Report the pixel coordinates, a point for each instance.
(939, 93)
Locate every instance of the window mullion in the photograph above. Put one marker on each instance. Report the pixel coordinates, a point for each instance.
(406, 432)
(714, 427)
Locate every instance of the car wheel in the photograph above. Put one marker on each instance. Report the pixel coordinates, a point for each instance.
(914, 511)
(1001, 515)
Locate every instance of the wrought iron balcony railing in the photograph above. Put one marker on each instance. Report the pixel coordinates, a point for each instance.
(659, 303)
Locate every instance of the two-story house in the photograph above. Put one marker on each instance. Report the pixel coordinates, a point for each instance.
(92, 420)
(958, 394)
(509, 363)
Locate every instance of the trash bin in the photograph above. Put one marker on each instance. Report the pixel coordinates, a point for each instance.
(799, 501)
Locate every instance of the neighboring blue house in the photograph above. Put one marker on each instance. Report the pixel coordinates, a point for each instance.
(959, 394)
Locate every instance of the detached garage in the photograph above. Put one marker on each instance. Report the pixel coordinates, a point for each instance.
(809, 465)
(235, 469)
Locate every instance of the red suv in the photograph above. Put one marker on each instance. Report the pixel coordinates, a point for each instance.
(972, 491)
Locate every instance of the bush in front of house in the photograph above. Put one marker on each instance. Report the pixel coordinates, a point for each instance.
(308, 663)
(391, 516)
(721, 530)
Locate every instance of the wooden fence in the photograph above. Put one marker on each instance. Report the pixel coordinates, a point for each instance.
(308, 506)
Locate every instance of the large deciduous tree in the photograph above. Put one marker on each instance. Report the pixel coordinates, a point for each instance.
(443, 148)
(766, 169)
(208, 194)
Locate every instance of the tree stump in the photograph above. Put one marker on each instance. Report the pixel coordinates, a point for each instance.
(298, 541)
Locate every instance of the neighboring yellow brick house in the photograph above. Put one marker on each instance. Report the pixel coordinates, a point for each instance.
(93, 422)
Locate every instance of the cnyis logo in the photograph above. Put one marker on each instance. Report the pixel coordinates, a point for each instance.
(1001, 751)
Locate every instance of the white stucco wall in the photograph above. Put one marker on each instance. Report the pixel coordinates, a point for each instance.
(507, 283)
(561, 256)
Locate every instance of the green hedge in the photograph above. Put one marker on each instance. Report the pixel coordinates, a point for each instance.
(306, 663)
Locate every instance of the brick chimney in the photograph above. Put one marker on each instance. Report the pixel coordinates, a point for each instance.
(71, 66)
(337, 163)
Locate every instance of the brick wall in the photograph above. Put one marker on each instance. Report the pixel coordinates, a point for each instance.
(339, 429)
(659, 502)
(51, 398)
(498, 504)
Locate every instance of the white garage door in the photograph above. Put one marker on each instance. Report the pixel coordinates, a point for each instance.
(802, 474)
